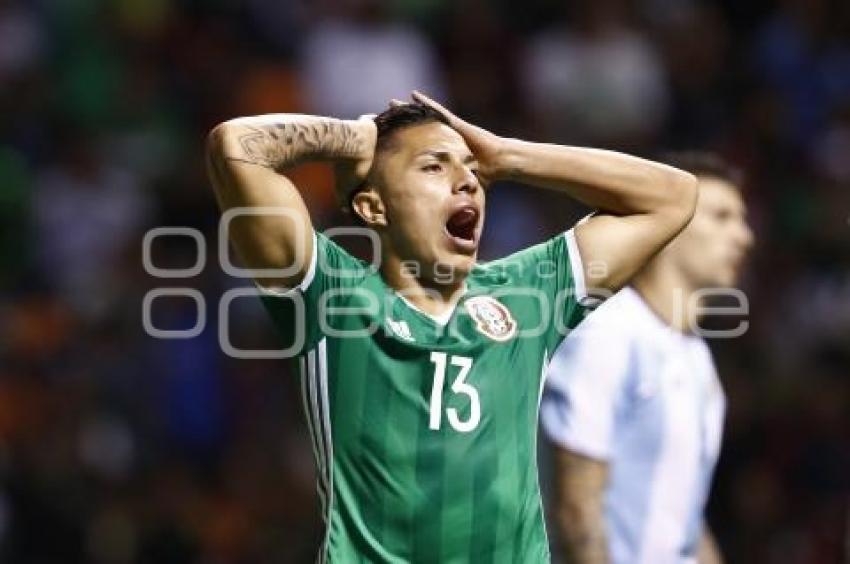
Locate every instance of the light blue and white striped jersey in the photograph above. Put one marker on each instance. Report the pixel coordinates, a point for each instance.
(626, 388)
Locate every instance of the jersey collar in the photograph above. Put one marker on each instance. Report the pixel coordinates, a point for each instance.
(443, 318)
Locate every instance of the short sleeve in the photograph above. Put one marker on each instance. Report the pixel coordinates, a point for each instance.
(555, 269)
(584, 385)
(297, 312)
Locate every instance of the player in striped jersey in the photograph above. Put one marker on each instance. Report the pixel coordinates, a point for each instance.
(637, 428)
(422, 377)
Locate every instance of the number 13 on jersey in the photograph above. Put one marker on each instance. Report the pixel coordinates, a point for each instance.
(459, 386)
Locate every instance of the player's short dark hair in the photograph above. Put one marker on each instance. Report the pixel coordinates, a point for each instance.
(393, 119)
(706, 164)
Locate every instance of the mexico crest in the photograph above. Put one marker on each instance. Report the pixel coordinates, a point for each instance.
(491, 317)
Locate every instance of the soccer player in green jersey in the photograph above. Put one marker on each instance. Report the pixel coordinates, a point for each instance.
(422, 375)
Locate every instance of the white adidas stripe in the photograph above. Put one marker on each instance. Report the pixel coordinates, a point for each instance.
(326, 419)
(314, 393)
(308, 414)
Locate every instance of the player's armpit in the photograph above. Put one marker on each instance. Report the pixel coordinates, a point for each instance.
(580, 484)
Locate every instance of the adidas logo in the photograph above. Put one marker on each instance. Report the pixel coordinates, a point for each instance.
(401, 329)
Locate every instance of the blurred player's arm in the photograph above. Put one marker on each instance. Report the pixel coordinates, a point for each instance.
(246, 160)
(708, 552)
(645, 203)
(579, 492)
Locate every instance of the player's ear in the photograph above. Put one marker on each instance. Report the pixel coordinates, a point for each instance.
(369, 206)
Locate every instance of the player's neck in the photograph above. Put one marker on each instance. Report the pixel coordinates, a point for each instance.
(430, 297)
(669, 295)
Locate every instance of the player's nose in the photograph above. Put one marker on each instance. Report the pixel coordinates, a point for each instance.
(746, 238)
(465, 182)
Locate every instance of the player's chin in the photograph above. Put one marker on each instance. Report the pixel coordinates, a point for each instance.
(731, 279)
(722, 278)
(463, 264)
(453, 267)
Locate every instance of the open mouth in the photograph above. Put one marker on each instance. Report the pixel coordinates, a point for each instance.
(462, 226)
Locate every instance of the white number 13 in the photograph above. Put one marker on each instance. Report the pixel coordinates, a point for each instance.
(459, 386)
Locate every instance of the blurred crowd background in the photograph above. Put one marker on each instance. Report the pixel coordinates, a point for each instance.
(116, 447)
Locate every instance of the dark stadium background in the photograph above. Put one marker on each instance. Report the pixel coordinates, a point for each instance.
(119, 448)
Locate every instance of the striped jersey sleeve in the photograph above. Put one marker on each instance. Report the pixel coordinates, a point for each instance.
(553, 270)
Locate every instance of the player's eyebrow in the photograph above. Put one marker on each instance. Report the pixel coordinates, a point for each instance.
(446, 156)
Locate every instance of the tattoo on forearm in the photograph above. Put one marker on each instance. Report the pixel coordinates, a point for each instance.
(281, 144)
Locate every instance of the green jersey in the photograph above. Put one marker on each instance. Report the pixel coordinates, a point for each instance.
(425, 429)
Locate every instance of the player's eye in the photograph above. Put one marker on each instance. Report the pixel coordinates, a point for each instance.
(723, 215)
(432, 167)
(481, 180)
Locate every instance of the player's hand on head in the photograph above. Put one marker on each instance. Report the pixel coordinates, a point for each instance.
(350, 173)
(486, 146)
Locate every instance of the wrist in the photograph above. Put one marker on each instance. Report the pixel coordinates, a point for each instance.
(362, 134)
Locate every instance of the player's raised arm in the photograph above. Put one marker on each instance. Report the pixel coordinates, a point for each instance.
(246, 159)
(644, 204)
